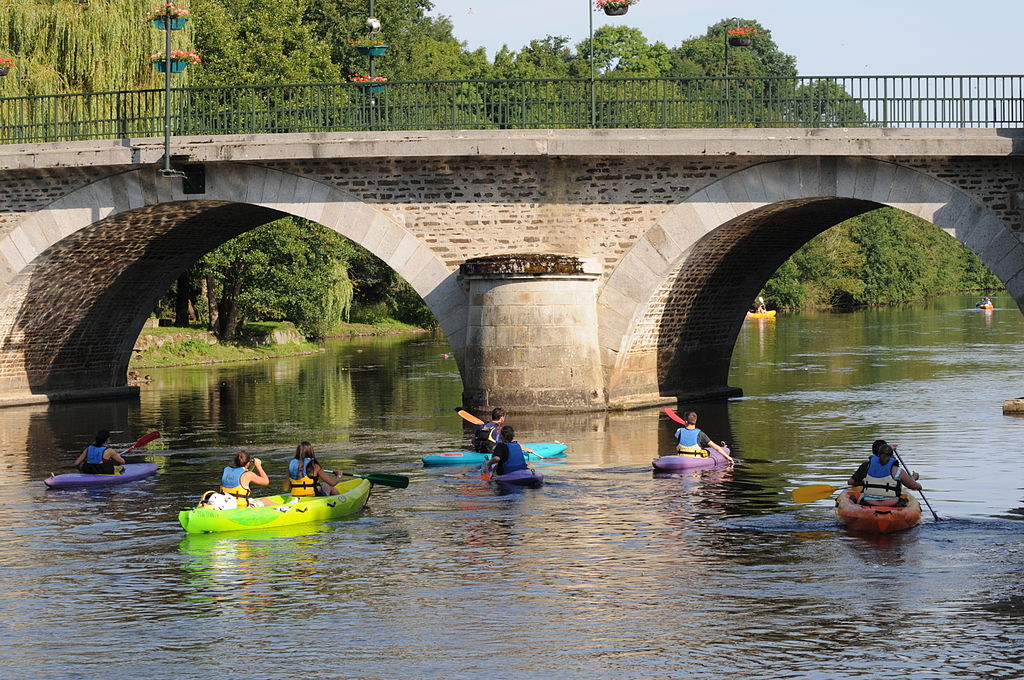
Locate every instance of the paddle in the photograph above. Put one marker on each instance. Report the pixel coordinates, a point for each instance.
(937, 518)
(143, 440)
(674, 416)
(382, 478)
(469, 417)
(814, 492)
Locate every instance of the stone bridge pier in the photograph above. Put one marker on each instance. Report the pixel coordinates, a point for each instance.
(571, 270)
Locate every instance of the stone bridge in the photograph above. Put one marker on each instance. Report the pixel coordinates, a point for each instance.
(569, 269)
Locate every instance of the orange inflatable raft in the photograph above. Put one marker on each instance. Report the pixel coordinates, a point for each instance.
(876, 519)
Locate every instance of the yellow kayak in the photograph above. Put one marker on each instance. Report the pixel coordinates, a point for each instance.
(770, 314)
(287, 509)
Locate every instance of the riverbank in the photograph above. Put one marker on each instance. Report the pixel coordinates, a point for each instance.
(175, 346)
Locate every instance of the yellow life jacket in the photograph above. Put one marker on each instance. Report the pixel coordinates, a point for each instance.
(694, 451)
(240, 493)
(304, 485)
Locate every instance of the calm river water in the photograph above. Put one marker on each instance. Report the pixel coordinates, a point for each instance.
(604, 572)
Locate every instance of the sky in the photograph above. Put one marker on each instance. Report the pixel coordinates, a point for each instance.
(865, 37)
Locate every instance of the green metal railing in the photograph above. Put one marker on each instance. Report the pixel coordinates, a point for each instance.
(829, 101)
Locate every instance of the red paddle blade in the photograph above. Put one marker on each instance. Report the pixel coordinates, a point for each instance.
(674, 416)
(469, 417)
(145, 439)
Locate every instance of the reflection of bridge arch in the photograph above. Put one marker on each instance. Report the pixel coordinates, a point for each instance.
(673, 307)
(82, 275)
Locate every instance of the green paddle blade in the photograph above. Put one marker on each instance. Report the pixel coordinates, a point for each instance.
(813, 492)
(383, 478)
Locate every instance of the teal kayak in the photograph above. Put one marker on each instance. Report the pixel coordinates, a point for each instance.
(541, 451)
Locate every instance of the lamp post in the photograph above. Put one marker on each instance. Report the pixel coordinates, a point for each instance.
(168, 22)
(593, 81)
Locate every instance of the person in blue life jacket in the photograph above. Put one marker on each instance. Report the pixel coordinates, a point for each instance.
(880, 477)
(307, 477)
(984, 303)
(692, 441)
(509, 455)
(98, 458)
(237, 478)
(488, 435)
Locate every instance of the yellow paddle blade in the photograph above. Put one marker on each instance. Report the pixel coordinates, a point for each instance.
(813, 492)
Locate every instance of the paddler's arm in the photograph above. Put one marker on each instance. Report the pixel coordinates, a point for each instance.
(910, 480)
(718, 448)
(81, 457)
(115, 456)
(258, 476)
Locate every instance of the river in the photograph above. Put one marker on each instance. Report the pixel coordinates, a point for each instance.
(604, 572)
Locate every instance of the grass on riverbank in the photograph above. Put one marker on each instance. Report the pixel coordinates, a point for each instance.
(188, 346)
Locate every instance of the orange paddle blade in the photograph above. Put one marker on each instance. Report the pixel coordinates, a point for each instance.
(469, 417)
(813, 492)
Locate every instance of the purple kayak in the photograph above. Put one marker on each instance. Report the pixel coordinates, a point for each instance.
(74, 480)
(520, 478)
(671, 463)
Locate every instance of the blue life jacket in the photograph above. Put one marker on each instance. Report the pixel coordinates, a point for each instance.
(232, 477)
(880, 481)
(688, 437)
(516, 459)
(94, 454)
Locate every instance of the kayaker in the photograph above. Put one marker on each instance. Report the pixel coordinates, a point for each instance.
(488, 435)
(984, 304)
(307, 477)
(882, 478)
(237, 477)
(509, 455)
(98, 458)
(690, 440)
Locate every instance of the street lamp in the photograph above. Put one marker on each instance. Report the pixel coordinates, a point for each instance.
(619, 11)
(168, 21)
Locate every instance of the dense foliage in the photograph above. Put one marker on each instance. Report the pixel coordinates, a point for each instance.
(294, 270)
(882, 257)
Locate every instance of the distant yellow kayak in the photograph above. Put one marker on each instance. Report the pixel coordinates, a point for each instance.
(770, 314)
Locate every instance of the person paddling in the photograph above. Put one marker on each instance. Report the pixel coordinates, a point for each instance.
(98, 458)
(509, 455)
(307, 477)
(881, 478)
(237, 477)
(692, 441)
(488, 435)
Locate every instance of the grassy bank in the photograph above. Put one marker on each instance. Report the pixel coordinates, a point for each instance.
(175, 346)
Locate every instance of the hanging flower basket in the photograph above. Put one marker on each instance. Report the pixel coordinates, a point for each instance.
(370, 47)
(180, 59)
(177, 23)
(4, 70)
(5, 65)
(614, 8)
(741, 37)
(168, 13)
(370, 85)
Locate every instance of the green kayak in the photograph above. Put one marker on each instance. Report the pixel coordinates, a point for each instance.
(287, 510)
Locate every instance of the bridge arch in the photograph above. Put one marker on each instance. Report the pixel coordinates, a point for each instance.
(81, 275)
(671, 310)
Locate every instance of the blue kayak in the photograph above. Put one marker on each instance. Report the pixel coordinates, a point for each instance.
(541, 451)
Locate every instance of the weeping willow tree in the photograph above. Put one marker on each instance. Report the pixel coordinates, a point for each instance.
(96, 46)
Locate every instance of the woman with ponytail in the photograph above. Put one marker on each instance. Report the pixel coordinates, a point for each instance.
(306, 477)
(237, 477)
